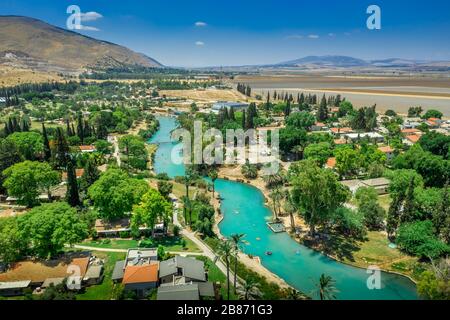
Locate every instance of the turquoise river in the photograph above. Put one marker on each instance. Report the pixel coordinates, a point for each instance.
(244, 212)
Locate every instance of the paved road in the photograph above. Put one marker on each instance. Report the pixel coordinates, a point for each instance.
(207, 251)
(116, 153)
(181, 253)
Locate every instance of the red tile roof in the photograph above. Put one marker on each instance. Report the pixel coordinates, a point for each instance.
(141, 274)
(87, 148)
(341, 130)
(410, 131)
(331, 162)
(413, 138)
(386, 149)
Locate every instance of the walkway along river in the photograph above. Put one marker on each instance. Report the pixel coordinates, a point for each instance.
(244, 212)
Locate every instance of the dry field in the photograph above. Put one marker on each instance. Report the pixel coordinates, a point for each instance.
(208, 95)
(389, 92)
(11, 76)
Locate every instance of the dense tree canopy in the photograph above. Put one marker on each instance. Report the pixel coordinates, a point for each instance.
(115, 193)
(29, 144)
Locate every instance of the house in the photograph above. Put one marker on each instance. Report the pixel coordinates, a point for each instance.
(331, 163)
(337, 130)
(141, 279)
(78, 173)
(94, 275)
(85, 149)
(318, 126)
(374, 136)
(13, 288)
(188, 268)
(411, 139)
(388, 151)
(216, 107)
(134, 257)
(410, 131)
(190, 291)
(340, 141)
(381, 185)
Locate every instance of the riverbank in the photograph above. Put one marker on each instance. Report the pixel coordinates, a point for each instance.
(374, 250)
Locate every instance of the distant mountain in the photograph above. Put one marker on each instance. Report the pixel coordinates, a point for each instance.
(326, 61)
(31, 43)
(395, 62)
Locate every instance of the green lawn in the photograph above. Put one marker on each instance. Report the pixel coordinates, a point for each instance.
(103, 291)
(215, 275)
(169, 244)
(385, 201)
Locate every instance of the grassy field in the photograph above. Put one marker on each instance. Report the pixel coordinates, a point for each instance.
(169, 244)
(215, 275)
(384, 201)
(205, 95)
(103, 291)
(374, 250)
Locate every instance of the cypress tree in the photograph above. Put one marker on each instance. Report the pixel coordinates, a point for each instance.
(244, 121)
(61, 149)
(409, 208)
(47, 151)
(72, 196)
(80, 127)
(322, 113)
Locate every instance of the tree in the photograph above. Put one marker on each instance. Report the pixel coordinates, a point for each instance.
(152, 208)
(165, 188)
(290, 208)
(434, 284)
(189, 177)
(436, 143)
(29, 144)
(61, 150)
(319, 152)
(432, 114)
(115, 193)
(51, 226)
(25, 180)
(9, 155)
(326, 289)
(90, 174)
(441, 217)
(418, 238)
(373, 213)
(213, 175)
(237, 240)
(135, 150)
(72, 196)
(348, 161)
(322, 112)
(301, 120)
(225, 251)
(316, 192)
(345, 108)
(12, 245)
(349, 222)
(249, 171)
(291, 137)
(249, 290)
(276, 195)
(414, 111)
(46, 143)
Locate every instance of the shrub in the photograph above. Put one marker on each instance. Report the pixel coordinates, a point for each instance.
(176, 231)
(417, 238)
(124, 234)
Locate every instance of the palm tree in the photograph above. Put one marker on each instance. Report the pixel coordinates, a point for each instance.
(249, 290)
(276, 196)
(187, 207)
(272, 180)
(291, 209)
(294, 294)
(326, 288)
(189, 177)
(237, 240)
(225, 251)
(213, 175)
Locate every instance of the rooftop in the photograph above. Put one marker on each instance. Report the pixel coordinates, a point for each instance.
(141, 274)
(179, 292)
(192, 268)
(14, 284)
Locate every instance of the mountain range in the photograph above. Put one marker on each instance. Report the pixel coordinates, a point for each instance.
(30, 43)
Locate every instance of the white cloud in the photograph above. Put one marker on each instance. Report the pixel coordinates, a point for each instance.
(90, 16)
(199, 43)
(201, 24)
(294, 36)
(331, 34)
(313, 36)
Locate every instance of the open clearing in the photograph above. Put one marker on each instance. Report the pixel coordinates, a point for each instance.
(11, 76)
(207, 95)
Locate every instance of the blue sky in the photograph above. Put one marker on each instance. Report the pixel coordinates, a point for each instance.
(239, 32)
